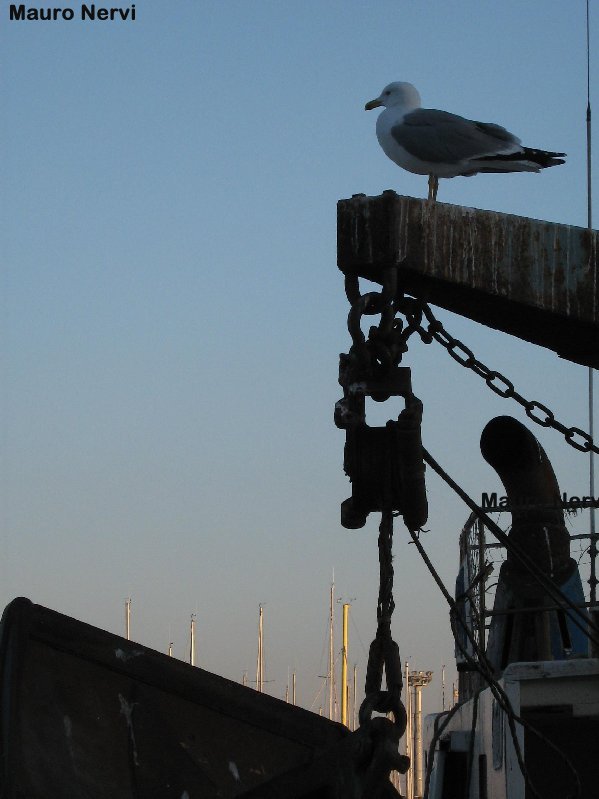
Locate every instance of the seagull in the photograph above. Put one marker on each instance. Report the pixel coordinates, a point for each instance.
(443, 145)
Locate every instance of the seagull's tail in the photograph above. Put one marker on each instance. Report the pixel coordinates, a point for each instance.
(543, 158)
(525, 160)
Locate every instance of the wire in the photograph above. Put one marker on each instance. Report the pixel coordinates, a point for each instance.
(438, 732)
(484, 668)
(471, 742)
(580, 619)
(316, 698)
(513, 718)
(593, 547)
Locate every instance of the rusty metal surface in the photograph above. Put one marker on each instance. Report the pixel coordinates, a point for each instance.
(536, 280)
(86, 713)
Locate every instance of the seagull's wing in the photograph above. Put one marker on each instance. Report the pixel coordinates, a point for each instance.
(441, 137)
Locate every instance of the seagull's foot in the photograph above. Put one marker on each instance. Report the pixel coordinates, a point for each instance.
(433, 187)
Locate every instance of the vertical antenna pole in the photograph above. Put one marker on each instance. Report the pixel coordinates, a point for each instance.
(593, 531)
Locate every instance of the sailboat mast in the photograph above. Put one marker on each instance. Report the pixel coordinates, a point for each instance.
(293, 689)
(354, 707)
(128, 619)
(331, 653)
(260, 658)
(409, 734)
(192, 640)
(344, 715)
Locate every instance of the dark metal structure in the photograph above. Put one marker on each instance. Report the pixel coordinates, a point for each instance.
(536, 280)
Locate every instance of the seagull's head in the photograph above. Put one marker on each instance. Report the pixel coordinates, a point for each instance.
(399, 94)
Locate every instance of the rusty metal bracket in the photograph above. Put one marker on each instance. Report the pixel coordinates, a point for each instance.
(533, 279)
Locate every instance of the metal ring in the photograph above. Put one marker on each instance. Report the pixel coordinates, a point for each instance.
(384, 702)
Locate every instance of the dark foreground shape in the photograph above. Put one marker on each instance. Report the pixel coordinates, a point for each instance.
(87, 714)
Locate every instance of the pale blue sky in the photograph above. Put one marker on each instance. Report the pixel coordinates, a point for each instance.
(172, 312)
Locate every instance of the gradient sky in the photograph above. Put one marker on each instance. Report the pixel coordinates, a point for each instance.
(172, 313)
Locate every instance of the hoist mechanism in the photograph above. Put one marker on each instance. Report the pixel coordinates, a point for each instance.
(384, 464)
(386, 469)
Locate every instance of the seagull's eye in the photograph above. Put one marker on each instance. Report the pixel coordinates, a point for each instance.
(387, 93)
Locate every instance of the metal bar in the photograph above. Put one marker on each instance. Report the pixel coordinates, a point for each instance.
(536, 280)
(536, 609)
(544, 506)
(496, 545)
(481, 586)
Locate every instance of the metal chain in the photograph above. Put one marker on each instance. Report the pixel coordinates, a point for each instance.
(384, 652)
(379, 352)
(497, 382)
(373, 357)
(386, 342)
(386, 603)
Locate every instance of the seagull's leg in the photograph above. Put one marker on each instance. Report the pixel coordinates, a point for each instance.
(433, 187)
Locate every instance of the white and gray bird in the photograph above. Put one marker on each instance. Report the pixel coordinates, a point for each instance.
(443, 145)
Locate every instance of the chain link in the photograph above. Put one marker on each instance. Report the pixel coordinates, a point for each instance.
(389, 341)
(386, 603)
(374, 357)
(499, 384)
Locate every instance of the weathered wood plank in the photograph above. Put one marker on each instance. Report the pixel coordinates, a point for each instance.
(533, 279)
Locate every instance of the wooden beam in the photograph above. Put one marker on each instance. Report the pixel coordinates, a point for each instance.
(535, 280)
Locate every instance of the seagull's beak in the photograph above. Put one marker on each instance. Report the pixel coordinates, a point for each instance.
(373, 104)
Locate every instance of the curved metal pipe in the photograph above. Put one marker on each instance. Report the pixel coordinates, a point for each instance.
(533, 494)
(523, 629)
